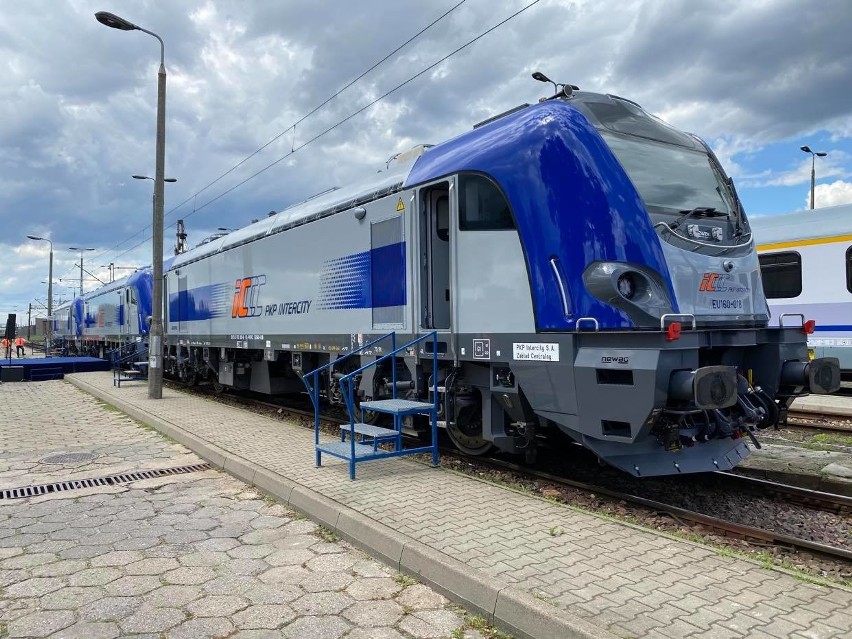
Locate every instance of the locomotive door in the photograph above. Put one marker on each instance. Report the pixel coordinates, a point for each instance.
(436, 306)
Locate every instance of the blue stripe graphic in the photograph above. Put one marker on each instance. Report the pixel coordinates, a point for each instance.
(370, 279)
(202, 303)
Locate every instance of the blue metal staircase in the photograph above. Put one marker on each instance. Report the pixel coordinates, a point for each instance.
(128, 365)
(364, 439)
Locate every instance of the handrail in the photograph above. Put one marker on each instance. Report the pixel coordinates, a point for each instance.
(332, 363)
(127, 358)
(347, 385)
(347, 379)
(313, 391)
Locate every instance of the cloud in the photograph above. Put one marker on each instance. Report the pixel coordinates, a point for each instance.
(838, 192)
(832, 166)
(78, 101)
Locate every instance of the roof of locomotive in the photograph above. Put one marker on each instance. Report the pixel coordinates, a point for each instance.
(326, 203)
(604, 111)
(129, 280)
(802, 225)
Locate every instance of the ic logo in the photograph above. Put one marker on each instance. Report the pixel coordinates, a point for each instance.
(247, 297)
(708, 282)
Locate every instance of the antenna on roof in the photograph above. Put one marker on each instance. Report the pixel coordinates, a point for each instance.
(559, 89)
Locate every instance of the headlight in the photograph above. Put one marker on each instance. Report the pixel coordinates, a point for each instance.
(626, 285)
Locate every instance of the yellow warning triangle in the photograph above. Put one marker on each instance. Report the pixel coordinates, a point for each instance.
(400, 206)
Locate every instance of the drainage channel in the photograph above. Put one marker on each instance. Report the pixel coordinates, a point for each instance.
(110, 480)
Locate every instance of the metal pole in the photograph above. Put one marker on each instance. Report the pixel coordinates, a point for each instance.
(81, 273)
(155, 350)
(813, 178)
(49, 343)
(29, 320)
(155, 343)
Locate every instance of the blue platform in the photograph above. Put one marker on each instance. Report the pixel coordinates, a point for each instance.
(42, 368)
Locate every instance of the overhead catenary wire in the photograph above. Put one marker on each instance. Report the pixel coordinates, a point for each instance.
(292, 127)
(340, 122)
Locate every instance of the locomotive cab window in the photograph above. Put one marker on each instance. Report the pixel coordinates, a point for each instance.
(482, 206)
(781, 274)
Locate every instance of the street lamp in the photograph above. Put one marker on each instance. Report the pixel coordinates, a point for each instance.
(49, 295)
(814, 155)
(82, 250)
(155, 374)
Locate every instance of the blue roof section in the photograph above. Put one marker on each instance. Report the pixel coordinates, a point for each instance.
(570, 197)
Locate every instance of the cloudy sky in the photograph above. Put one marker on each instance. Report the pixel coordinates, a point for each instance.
(757, 79)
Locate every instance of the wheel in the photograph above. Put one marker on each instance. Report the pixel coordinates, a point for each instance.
(369, 416)
(468, 438)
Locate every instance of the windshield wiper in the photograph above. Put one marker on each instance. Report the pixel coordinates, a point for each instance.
(706, 211)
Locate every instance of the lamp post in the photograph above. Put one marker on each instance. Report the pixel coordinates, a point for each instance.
(814, 156)
(155, 374)
(49, 342)
(82, 250)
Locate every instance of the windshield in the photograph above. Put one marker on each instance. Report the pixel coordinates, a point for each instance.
(670, 177)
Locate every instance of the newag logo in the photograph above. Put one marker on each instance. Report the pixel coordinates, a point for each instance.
(247, 297)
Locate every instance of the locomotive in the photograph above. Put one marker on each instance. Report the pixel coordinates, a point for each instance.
(588, 268)
(114, 316)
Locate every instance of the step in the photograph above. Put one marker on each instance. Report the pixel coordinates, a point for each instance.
(344, 449)
(369, 430)
(397, 406)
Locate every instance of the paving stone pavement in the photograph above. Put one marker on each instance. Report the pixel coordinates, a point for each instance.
(632, 582)
(185, 556)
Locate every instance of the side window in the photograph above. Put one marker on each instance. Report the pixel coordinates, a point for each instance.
(782, 274)
(482, 206)
(849, 269)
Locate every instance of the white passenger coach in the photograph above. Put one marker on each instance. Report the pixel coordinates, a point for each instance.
(806, 265)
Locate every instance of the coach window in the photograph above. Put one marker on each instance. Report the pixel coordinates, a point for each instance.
(482, 206)
(781, 274)
(849, 269)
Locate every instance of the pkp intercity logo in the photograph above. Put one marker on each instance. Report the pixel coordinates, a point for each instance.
(247, 297)
(708, 282)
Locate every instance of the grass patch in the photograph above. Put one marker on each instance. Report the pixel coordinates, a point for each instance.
(405, 581)
(556, 531)
(475, 622)
(327, 535)
(832, 438)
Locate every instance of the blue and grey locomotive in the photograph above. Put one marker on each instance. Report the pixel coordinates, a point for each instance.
(589, 270)
(110, 317)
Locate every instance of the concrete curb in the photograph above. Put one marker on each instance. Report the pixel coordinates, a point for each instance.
(506, 606)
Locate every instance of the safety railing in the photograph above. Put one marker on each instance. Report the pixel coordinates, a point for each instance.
(357, 451)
